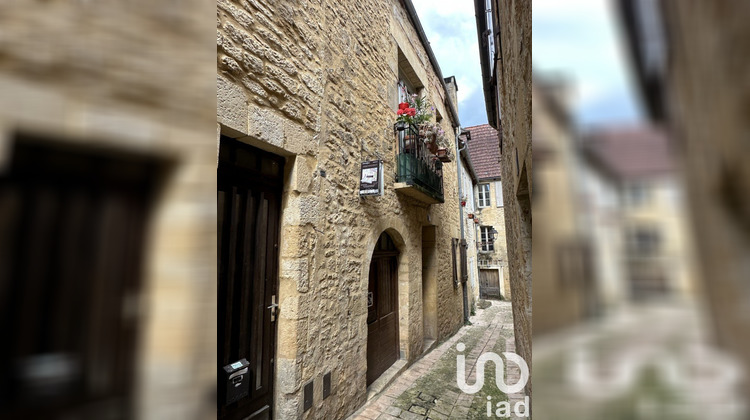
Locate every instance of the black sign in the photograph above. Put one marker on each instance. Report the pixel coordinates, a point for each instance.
(371, 178)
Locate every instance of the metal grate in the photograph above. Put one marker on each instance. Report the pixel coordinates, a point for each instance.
(416, 165)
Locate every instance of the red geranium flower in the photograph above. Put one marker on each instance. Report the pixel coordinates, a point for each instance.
(411, 111)
(400, 112)
(403, 105)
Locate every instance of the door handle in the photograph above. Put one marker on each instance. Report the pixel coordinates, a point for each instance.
(273, 308)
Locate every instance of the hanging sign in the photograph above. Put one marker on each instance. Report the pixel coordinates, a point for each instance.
(371, 178)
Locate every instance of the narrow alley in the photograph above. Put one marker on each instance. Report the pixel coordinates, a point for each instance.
(428, 389)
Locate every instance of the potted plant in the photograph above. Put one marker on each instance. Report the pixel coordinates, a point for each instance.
(415, 111)
(442, 154)
(471, 215)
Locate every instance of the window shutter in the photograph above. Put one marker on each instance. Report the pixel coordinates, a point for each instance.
(455, 268)
(499, 193)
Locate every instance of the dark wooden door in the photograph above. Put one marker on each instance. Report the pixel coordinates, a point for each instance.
(489, 284)
(72, 228)
(249, 199)
(382, 309)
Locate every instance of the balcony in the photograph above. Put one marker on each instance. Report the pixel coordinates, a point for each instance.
(490, 263)
(419, 172)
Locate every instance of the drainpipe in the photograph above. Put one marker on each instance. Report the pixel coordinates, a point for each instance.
(464, 274)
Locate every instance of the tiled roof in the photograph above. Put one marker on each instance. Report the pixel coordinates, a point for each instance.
(631, 152)
(484, 151)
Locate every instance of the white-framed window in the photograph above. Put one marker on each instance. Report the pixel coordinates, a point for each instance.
(404, 91)
(488, 241)
(483, 195)
(499, 193)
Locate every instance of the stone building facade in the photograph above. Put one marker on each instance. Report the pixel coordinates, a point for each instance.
(107, 156)
(504, 36)
(654, 244)
(491, 241)
(316, 84)
(468, 187)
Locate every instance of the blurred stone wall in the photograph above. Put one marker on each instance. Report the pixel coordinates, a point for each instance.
(132, 77)
(707, 105)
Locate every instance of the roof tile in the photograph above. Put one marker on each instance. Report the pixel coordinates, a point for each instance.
(484, 151)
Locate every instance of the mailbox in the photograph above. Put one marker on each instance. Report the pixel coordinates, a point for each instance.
(237, 380)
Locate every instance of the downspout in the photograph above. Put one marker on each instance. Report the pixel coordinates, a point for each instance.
(464, 270)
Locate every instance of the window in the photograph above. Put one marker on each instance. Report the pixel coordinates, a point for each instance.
(488, 240)
(499, 193)
(483, 195)
(404, 91)
(637, 194)
(408, 81)
(643, 241)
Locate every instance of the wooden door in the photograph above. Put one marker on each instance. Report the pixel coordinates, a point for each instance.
(72, 227)
(382, 309)
(489, 284)
(249, 198)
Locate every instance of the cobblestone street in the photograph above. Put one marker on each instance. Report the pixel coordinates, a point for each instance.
(428, 389)
(652, 361)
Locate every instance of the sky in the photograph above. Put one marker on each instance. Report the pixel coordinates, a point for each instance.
(450, 27)
(576, 39)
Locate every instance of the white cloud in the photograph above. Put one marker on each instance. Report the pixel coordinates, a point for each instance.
(568, 9)
(445, 8)
(466, 87)
(450, 27)
(579, 39)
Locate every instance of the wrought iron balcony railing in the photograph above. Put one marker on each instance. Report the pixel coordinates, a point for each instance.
(490, 263)
(417, 166)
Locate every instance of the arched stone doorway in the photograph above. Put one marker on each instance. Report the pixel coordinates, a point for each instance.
(382, 308)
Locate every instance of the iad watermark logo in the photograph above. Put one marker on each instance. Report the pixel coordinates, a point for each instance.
(521, 408)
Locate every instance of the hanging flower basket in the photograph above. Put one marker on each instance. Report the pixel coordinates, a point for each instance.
(471, 215)
(432, 146)
(442, 154)
(463, 203)
(476, 220)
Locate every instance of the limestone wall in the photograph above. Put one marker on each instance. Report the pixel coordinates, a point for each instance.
(514, 91)
(316, 82)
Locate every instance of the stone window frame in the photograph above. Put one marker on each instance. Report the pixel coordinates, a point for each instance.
(408, 81)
